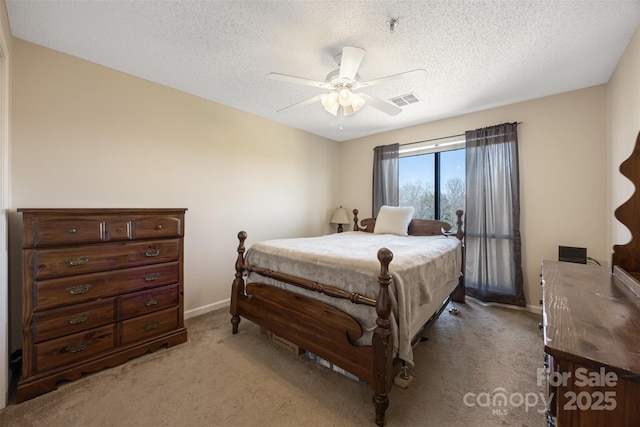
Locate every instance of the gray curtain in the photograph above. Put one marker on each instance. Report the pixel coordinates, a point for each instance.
(385, 177)
(493, 270)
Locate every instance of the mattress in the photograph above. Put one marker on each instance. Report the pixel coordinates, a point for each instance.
(424, 271)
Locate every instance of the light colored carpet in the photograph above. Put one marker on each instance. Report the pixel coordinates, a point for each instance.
(218, 379)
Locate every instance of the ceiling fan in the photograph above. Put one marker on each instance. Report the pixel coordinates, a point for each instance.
(343, 96)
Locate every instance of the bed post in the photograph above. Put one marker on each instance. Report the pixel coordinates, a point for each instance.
(237, 289)
(355, 220)
(382, 340)
(459, 294)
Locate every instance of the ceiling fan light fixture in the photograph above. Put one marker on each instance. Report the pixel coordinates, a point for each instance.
(330, 102)
(342, 97)
(357, 102)
(345, 97)
(347, 110)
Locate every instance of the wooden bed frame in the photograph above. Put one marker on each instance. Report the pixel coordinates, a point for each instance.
(319, 327)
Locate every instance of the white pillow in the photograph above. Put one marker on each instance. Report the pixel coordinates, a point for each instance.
(393, 220)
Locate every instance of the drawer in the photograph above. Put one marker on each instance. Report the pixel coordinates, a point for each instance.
(149, 326)
(57, 262)
(66, 321)
(68, 231)
(139, 303)
(118, 229)
(86, 287)
(158, 226)
(74, 348)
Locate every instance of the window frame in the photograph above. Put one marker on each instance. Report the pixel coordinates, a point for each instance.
(437, 147)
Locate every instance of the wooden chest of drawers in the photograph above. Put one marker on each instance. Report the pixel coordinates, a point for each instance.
(592, 354)
(100, 286)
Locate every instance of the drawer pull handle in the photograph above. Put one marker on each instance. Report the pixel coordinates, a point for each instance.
(77, 261)
(151, 252)
(78, 347)
(159, 227)
(79, 319)
(150, 326)
(150, 302)
(119, 229)
(80, 289)
(151, 277)
(72, 231)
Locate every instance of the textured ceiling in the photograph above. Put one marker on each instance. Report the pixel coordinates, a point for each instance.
(477, 54)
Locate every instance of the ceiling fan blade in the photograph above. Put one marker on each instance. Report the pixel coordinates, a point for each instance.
(299, 80)
(398, 76)
(350, 62)
(381, 105)
(302, 103)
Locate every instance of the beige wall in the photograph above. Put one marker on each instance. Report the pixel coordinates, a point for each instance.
(623, 106)
(562, 147)
(5, 85)
(88, 136)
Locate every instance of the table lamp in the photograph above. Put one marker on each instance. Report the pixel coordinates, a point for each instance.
(340, 217)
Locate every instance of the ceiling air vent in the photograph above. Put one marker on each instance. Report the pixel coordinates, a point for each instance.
(403, 100)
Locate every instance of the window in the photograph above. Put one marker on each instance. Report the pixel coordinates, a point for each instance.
(432, 178)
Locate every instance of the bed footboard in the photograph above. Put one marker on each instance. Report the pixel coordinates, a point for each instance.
(319, 327)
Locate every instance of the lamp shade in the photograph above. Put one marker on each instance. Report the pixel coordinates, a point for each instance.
(340, 216)
(330, 102)
(342, 97)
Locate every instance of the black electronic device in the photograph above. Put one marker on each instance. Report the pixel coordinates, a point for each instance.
(572, 254)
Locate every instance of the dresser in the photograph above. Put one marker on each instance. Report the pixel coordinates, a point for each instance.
(591, 322)
(100, 286)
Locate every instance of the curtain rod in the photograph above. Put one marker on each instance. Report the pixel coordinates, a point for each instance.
(437, 139)
(429, 140)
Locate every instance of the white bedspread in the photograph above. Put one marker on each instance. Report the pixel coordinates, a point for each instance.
(421, 266)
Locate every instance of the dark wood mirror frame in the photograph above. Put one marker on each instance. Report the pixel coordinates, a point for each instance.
(627, 256)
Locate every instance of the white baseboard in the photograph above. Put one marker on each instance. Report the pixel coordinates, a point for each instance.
(206, 309)
(534, 308)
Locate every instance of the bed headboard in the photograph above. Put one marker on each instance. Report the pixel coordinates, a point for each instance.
(417, 227)
(627, 256)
